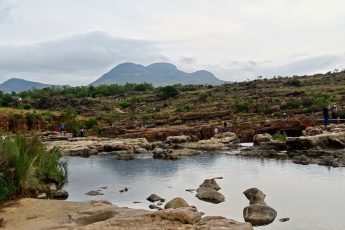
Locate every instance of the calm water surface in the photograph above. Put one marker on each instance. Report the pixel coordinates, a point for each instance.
(313, 196)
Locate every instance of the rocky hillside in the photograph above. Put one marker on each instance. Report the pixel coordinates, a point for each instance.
(158, 74)
(289, 104)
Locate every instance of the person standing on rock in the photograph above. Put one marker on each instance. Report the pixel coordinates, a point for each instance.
(325, 115)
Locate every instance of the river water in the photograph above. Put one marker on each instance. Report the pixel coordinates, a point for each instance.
(312, 196)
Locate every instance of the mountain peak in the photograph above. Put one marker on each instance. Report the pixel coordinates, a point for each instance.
(162, 66)
(17, 85)
(158, 74)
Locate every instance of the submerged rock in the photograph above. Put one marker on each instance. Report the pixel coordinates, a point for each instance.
(94, 193)
(284, 219)
(177, 202)
(210, 195)
(153, 206)
(154, 198)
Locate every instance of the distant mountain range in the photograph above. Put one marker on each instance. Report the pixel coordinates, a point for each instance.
(19, 85)
(158, 74)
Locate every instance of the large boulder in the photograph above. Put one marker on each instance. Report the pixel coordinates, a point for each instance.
(177, 202)
(210, 195)
(258, 214)
(260, 138)
(210, 183)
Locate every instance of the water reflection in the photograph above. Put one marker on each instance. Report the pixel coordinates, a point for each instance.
(311, 196)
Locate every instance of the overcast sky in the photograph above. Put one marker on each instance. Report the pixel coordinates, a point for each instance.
(76, 41)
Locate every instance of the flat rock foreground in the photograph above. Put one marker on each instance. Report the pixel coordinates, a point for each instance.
(56, 214)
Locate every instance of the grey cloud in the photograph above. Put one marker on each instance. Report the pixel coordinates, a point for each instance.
(240, 71)
(89, 53)
(187, 60)
(5, 9)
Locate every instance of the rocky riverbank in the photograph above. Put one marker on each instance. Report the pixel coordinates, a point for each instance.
(53, 214)
(318, 145)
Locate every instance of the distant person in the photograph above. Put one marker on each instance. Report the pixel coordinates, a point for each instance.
(82, 133)
(334, 111)
(325, 116)
(62, 127)
(216, 131)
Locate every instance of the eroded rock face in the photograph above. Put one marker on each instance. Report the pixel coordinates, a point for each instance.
(210, 183)
(222, 141)
(177, 202)
(324, 141)
(257, 213)
(87, 146)
(210, 195)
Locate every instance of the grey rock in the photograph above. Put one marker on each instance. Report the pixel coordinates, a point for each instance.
(94, 193)
(210, 183)
(177, 202)
(259, 214)
(255, 196)
(210, 195)
(284, 219)
(155, 198)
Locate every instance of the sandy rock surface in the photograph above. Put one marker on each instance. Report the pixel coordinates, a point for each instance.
(92, 215)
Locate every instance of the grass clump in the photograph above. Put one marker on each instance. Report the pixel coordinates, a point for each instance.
(280, 136)
(26, 166)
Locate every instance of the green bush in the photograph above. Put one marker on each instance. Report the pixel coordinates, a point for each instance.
(241, 106)
(279, 136)
(294, 82)
(30, 164)
(183, 108)
(90, 123)
(168, 91)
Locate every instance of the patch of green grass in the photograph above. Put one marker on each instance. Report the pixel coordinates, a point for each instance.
(279, 136)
